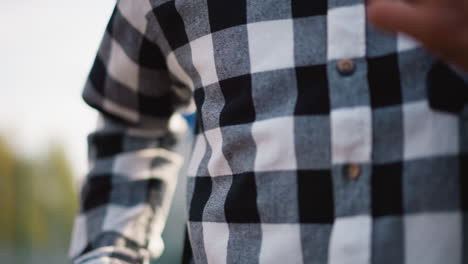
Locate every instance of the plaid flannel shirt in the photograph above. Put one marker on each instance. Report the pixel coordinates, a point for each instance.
(319, 139)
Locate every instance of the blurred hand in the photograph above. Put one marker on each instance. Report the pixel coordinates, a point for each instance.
(440, 25)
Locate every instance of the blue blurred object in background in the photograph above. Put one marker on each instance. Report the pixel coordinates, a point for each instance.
(190, 118)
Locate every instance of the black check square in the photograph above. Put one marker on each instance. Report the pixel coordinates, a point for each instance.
(199, 99)
(151, 56)
(464, 181)
(387, 193)
(315, 191)
(241, 200)
(97, 76)
(384, 81)
(96, 192)
(313, 93)
(107, 144)
(446, 91)
(172, 24)
(155, 106)
(226, 14)
(306, 8)
(201, 194)
(238, 108)
(155, 190)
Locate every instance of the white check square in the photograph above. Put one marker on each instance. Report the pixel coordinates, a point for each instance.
(351, 135)
(203, 59)
(215, 240)
(350, 240)
(198, 152)
(346, 32)
(274, 139)
(281, 243)
(121, 67)
(217, 165)
(271, 45)
(433, 238)
(427, 132)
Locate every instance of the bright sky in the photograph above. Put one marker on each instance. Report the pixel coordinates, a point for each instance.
(46, 51)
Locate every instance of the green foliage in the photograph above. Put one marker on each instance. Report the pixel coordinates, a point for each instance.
(37, 197)
(7, 192)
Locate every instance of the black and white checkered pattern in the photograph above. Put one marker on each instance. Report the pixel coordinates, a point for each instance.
(278, 126)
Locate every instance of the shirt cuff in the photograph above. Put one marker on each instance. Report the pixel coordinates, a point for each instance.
(113, 255)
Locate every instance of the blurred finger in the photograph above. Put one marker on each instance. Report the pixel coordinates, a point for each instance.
(437, 29)
(401, 17)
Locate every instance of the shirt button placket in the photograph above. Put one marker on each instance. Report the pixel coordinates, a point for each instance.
(351, 133)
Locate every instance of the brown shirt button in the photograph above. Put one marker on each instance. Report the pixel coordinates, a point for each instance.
(352, 171)
(346, 67)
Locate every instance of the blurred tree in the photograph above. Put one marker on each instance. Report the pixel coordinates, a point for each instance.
(55, 188)
(7, 192)
(38, 201)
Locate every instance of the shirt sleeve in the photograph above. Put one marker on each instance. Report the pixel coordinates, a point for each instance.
(125, 196)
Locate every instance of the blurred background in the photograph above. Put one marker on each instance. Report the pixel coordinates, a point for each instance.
(46, 51)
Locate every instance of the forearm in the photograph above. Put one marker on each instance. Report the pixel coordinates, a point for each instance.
(126, 194)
